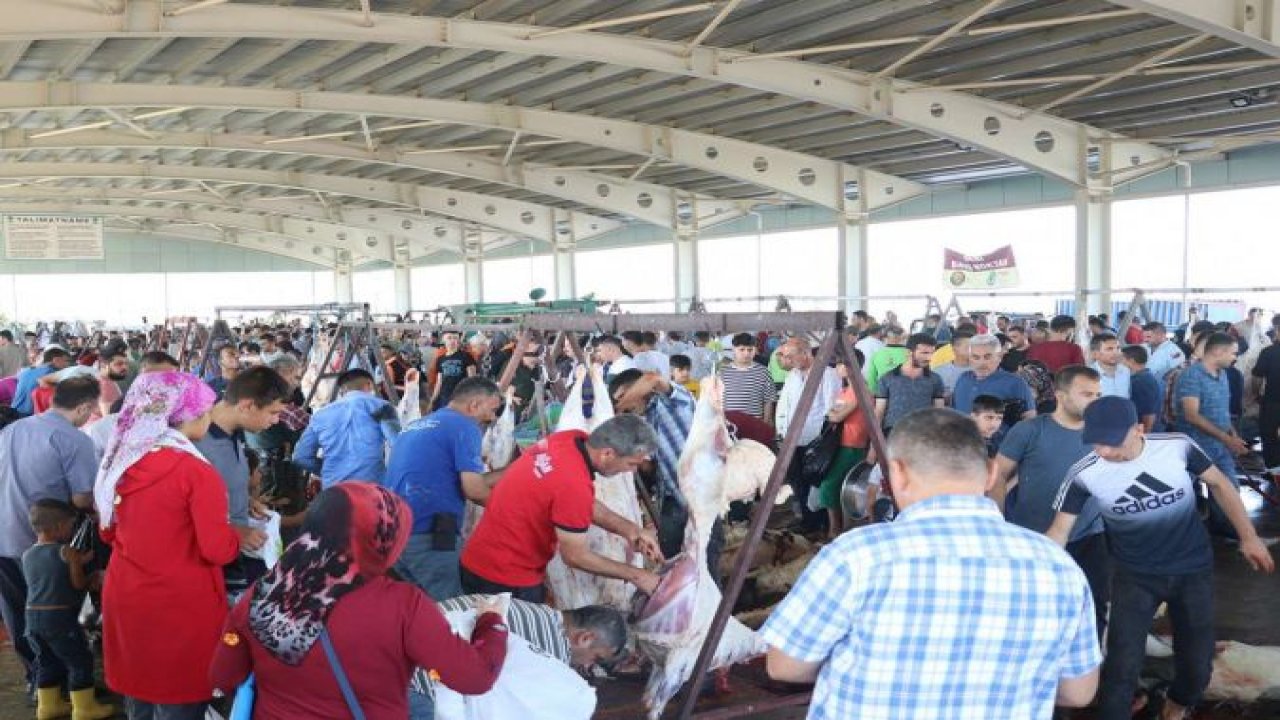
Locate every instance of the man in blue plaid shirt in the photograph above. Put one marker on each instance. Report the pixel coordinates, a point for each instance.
(947, 613)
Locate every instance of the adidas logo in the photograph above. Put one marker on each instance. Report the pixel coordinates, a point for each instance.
(1146, 493)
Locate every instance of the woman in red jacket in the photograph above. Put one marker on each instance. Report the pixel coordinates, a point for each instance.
(332, 581)
(163, 510)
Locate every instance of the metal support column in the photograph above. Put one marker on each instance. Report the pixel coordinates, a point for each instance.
(563, 256)
(401, 278)
(851, 231)
(852, 221)
(1093, 253)
(343, 280)
(473, 265)
(686, 268)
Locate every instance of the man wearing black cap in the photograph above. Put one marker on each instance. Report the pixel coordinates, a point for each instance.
(1146, 487)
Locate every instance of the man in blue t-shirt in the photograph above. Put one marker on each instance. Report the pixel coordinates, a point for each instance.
(436, 467)
(1145, 389)
(54, 359)
(986, 378)
(1035, 456)
(1146, 486)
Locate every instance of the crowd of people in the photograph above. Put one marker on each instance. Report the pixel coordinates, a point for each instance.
(221, 525)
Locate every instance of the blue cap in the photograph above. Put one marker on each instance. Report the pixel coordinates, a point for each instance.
(1108, 420)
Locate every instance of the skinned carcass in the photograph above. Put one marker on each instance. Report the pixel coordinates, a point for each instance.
(497, 450)
(1258, 341)
(672, 624)
(1244, 673)
(587, 407)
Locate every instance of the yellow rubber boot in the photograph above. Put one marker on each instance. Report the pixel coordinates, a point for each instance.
(50, 705)
(84, 706)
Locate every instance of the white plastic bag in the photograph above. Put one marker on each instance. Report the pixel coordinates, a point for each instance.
(531, 686)
(273, 548)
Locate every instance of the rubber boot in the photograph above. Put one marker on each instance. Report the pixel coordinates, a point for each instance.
(50, 705)
(85, 706)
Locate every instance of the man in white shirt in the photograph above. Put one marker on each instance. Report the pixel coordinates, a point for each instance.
(870, 343)
(1105, 357)
(797, 358)
(609, 353)
(644, 357)
(1164, 354)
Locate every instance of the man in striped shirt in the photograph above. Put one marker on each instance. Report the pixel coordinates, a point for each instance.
(748, 388)
(579, 638)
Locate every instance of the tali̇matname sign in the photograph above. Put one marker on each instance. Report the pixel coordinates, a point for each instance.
(996, 269)
(52, 237)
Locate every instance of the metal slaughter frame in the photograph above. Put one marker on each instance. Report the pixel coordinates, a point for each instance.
(835, 346)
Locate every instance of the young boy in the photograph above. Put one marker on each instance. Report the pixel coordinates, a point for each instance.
(682, 373)
(56, 583)
(988, 413)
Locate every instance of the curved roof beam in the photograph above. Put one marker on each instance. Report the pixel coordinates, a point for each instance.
(807, 177)
(959, 116)
(1255, 25)
(656, 204)
(512, 216)
(271, 235)
(368, 245)
(361, 225)
(320, 255)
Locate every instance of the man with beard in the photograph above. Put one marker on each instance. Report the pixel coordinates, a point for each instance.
(113, 369)
(1034, 458)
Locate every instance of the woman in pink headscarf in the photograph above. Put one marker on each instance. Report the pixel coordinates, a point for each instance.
(163, 510)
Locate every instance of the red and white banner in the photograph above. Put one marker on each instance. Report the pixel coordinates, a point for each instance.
(996, 269)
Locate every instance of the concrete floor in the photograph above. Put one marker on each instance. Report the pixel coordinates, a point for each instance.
(1247, 610)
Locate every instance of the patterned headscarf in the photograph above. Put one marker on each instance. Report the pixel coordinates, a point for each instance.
(157, 403)
(353, 531)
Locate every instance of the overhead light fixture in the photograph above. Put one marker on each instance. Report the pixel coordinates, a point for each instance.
(1240, 100)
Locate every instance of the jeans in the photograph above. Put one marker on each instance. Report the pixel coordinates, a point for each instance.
(435, 571)
(62, 652)
(473, 584)
(138, 710)
(1223, 460)
(421, 706)
(1134, 599)
(1094, 559)
(13, 608)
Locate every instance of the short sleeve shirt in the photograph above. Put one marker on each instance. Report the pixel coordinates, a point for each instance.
(904, 395)
(226, 453)
(1215, 401)
(453, 369)
(1268, 368)
(550, 487)
(48, 577)
(43, 456)
(1148, 504)
(748, 389)
(1045, 452)
(1144, 391)
(1002, 384)
(427, 461)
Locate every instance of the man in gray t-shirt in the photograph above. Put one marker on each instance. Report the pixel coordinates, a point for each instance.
(1034, 458)
(252, 403)
(911, 386)
(41, 457)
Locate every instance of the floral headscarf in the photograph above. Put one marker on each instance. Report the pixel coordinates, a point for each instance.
(353, 531)
(156, 404)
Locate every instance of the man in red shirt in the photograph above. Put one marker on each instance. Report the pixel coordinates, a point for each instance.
(1060, 349)
(546, 501)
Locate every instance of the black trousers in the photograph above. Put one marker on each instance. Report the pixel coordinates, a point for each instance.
(1094, 559)
(13, 608)
(474, 584)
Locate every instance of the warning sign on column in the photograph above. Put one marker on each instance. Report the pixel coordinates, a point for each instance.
(52, 237)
